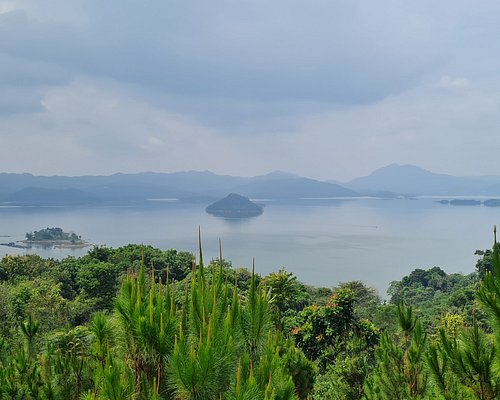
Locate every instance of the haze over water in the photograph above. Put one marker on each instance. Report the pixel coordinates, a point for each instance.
(323, 242)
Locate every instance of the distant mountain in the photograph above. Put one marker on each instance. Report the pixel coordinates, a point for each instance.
(293, 188)
(206, 186)
(191, 185)
(234, 206)
(275, 175)
(413, 180)
(11, 183)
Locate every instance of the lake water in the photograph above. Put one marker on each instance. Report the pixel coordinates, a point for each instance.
(322, 242)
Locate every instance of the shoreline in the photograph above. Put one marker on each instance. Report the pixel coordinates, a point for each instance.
(55, 243)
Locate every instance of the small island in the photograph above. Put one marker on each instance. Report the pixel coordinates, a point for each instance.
(468, 202)
(235, 206)
(461, 202)
(55, 237)
(492, 203)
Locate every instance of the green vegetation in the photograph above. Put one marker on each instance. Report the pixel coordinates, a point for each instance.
(53, 235)
(433, 293)
(138, 322)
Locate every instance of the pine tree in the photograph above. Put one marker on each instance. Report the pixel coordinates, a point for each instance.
(464, 363)
(400, 372)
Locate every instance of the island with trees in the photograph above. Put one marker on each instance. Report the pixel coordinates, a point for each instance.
(235, 206)
(54, 237)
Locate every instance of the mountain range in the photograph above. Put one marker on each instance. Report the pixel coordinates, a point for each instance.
(390, 181)
(24, 189)
(410, 180)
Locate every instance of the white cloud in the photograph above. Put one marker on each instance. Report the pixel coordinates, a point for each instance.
(153, 144)
(448, 82)
(427, 127)
(7, 6)
(98, 126)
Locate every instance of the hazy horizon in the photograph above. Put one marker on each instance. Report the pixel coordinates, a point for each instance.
(327, 90)
(250, 176)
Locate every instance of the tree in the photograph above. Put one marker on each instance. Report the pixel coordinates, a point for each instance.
(400, 372)
(433, 293)
(468, 357)
(344, 378)
(367, 299)
(98, 281)
(288, 296)
(324, 330)
(485, 263)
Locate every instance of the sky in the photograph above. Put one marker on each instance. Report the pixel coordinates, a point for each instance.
(329, 89)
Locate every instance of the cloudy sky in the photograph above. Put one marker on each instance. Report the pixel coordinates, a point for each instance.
(329, 89)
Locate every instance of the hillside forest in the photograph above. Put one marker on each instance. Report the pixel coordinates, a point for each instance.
(137, 322)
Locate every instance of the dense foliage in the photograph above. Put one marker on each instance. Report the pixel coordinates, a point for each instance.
(433, 293)
(138, 322)
(53, 234)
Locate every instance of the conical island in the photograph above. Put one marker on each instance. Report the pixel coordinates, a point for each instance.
(234, 206)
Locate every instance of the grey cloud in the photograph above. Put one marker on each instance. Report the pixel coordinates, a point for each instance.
(328, 51)
(14, 100)
(309, 87)
(21, 72)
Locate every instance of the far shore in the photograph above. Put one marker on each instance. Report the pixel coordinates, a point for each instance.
(66, 244)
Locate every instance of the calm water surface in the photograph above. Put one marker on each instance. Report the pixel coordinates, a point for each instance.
(323, 242)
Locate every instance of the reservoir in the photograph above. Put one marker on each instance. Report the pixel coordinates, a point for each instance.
(322, 241)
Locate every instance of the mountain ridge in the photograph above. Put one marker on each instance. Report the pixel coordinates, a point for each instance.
(411, 180)
(393, 180)
(184, 185)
